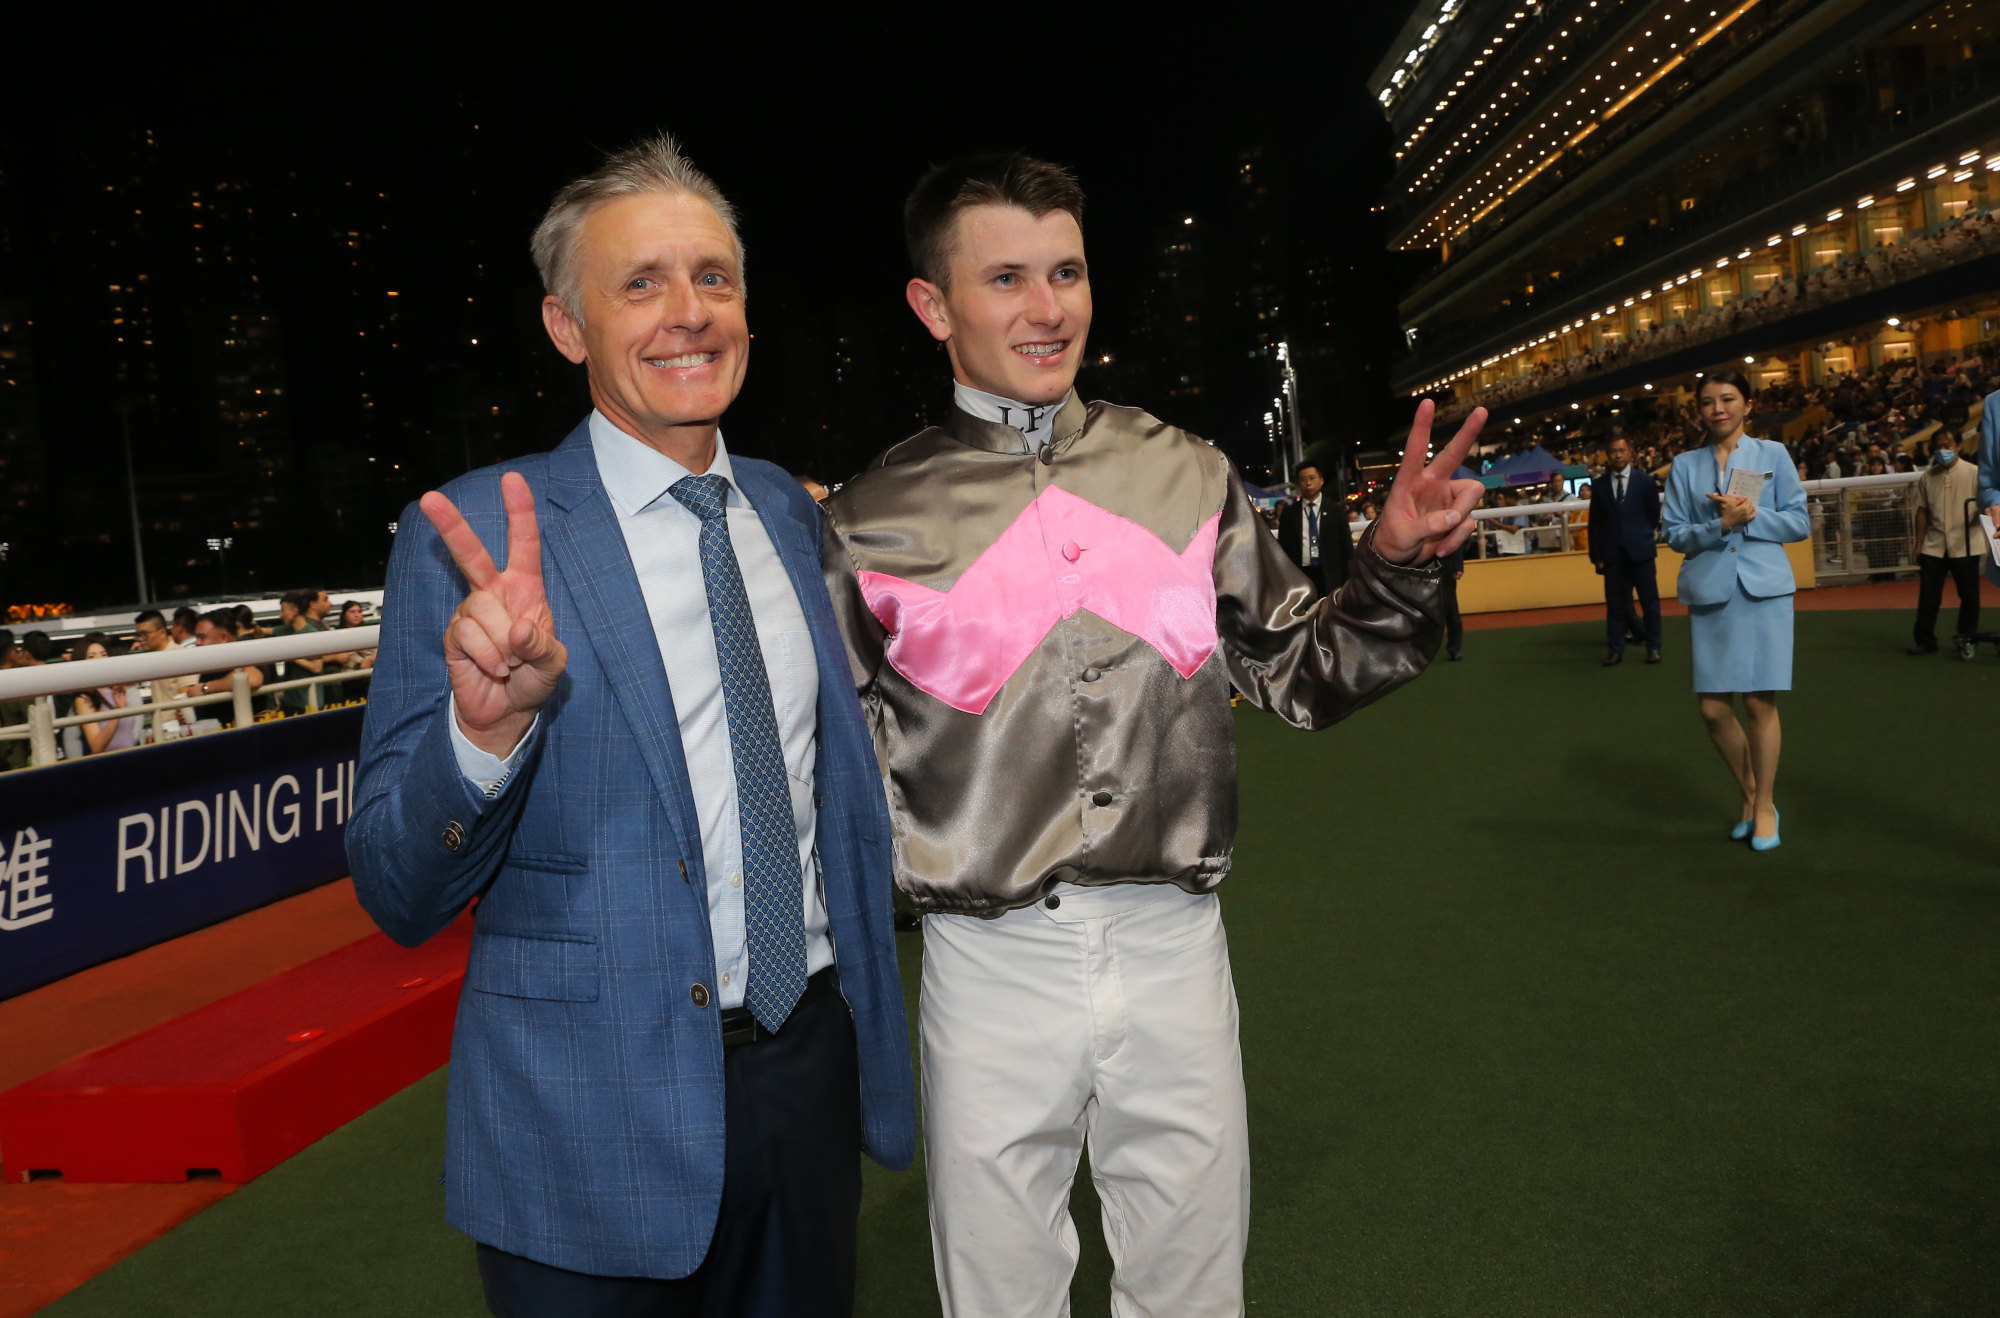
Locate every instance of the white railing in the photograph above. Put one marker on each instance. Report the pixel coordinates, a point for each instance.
(1560, 533)
(43, 682)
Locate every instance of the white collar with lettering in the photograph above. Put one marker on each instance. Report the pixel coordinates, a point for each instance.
(1034, 422)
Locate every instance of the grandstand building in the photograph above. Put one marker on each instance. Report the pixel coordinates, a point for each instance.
(1618, 193)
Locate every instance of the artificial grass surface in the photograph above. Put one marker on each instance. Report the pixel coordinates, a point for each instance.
(1522, 1032)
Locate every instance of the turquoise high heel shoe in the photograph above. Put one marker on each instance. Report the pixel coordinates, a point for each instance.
(1769, 843)
(1742, 829)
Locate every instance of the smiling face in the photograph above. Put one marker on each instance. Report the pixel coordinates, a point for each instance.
(664, 333)
(1723, 409)
(1017, 312)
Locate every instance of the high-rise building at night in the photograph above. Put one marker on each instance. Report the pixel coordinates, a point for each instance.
(1619, 193)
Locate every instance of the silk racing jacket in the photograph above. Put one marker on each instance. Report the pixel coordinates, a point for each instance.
(1045, 638)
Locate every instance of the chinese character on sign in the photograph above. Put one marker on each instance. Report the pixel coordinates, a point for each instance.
(24, 881)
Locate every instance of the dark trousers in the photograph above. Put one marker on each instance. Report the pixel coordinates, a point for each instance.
(784, 1239)
(1316, 573)
(1454, 625)
(1931, 572)
(1622, 572)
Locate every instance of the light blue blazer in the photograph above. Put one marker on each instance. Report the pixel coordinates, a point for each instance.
(1752, 555)
(585, 1120)
(1989, 468)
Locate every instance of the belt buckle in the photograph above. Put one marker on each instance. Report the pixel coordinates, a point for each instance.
(739, 1027)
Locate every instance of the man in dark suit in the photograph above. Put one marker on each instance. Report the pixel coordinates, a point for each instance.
(1313, 531)
(1624, 519)
(1453, 566)
(637, 744)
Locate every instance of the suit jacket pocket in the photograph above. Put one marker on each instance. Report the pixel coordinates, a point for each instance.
(547, 862)
(517, 966)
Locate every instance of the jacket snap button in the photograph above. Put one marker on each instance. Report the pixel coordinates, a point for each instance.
(1072, 551)
(698, 995)
(1091, 674)
(1102, 798)
(454, 834)
(1053, 901)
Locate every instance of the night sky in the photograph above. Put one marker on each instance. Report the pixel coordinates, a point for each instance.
(350, 177)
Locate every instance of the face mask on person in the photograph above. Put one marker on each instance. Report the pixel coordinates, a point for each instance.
(1944, 457)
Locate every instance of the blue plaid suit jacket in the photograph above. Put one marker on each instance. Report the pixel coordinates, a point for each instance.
(585, 1125)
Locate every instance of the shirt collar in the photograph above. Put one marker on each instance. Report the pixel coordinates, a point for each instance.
(636, 475)
(1035, 422)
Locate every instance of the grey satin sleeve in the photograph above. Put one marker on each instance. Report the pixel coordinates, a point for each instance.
(863, 632)
(1313, 661)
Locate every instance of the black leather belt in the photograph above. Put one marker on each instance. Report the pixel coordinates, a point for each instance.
(740, 1027)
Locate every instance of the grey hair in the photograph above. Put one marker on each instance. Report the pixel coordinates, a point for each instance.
(654, 164)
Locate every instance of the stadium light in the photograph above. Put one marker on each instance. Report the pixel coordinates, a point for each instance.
(392, 528)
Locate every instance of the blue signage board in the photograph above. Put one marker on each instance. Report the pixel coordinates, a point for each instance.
(102, 856)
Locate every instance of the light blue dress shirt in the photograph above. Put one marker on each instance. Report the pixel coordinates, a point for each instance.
(663, 538)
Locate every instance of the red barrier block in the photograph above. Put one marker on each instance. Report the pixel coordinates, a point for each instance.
(235, 1088)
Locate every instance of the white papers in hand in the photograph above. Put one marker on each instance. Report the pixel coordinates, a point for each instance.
(1746, 484)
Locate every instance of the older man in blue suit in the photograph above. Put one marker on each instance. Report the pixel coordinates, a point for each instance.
(633, 740)
(1624, 520)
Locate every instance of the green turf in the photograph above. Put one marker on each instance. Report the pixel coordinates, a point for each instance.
(1524, 1034)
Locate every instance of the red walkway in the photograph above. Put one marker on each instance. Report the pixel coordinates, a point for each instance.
(55, 1236)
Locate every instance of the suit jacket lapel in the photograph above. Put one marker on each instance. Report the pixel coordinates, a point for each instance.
(588, 549)
(798, 549)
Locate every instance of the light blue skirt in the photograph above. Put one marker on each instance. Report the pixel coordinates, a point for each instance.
(1744, 644)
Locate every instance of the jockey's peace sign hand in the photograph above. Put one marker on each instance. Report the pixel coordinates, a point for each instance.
(500, 646)
(1425, 514)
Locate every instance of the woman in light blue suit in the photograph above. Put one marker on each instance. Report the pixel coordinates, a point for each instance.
(1737, 584)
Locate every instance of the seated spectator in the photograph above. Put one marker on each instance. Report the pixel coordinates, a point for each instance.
(14, 754)
(105, 734)
(181, 628)
(295, 615)
(152, 633)
(219, 628)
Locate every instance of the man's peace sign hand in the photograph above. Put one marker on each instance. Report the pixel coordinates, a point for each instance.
(1425, 514)
(500, 647)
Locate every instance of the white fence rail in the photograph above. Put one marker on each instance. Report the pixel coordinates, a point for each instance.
(1846, 517)
(43, 682)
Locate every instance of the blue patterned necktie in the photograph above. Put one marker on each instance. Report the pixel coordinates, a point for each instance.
(774, 899)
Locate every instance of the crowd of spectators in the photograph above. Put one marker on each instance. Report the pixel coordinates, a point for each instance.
(1870, 422)
(213, 675)
(1958, 240)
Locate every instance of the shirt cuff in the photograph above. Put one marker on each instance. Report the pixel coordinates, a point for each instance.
(483, 769)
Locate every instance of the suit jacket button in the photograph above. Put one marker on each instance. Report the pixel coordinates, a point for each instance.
(454, 834)
(698, 995)
(1101, 798)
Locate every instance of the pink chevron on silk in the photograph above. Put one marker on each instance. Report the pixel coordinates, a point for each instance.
(1061, 555)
